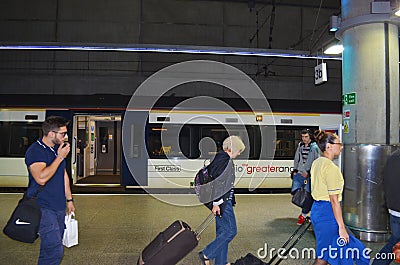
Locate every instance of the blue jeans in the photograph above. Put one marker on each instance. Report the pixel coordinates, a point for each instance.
(298, 182)
(225, 231)
(395, 237)
(51, 232)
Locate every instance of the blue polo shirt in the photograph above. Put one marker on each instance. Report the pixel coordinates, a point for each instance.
(53, 194)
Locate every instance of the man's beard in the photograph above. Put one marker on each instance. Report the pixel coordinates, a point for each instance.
(56, 141)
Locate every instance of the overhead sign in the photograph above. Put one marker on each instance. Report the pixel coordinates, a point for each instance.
(349, 99)
(321, 74)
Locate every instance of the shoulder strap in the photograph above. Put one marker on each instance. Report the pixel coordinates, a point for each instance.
(38, 190)
(217, 168)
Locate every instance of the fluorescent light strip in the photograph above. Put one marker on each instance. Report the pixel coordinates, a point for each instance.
(176, 49)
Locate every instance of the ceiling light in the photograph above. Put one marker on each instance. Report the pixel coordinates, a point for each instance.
(334, 49)
(172, 49)
(334, 23)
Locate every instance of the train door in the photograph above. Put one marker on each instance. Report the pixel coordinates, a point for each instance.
(337, 129)
(96, 150)
(108, 156)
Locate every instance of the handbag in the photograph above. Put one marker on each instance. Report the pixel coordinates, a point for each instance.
(24, 222)
(302, 198)
(70, 237)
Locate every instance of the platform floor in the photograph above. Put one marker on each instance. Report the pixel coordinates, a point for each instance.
(113, 229)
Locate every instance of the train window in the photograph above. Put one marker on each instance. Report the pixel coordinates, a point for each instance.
(211, 141)
(287, 139)
(17, 137)
(4, 139)
(218, 133)
(204, 141)
(162, 141)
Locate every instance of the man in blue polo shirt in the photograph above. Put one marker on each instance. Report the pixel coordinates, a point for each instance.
(46, 166)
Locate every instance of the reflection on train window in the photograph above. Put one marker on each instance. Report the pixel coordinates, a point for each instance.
(162, 141)
(17, 137)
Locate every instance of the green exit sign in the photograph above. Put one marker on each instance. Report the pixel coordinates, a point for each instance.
(349, 99)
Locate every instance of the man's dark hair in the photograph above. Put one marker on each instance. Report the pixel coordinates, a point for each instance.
(53, 123)
(307, 131)
(310, 133)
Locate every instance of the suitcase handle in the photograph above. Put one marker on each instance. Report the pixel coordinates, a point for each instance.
(307, 224)
(203, 226)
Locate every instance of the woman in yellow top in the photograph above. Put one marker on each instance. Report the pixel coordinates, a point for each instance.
(333, 241)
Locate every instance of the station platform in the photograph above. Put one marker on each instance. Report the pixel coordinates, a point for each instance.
(114, 229)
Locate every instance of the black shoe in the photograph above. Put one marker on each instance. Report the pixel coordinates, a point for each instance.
(203, 258)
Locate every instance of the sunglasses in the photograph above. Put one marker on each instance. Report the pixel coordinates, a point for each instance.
(62, 133)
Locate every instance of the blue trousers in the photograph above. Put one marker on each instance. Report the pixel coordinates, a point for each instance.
(395, 237)
(51, 232)
(329, 245)
(225, 231)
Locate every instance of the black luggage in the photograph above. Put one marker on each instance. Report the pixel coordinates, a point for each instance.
(174, 243)
(250, 259)
(24, 222)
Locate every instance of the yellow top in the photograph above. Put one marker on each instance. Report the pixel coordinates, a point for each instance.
(326, 179)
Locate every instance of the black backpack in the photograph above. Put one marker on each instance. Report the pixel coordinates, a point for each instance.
(202, 177)
(203, 186)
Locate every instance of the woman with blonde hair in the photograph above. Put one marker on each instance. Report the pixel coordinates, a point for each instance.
(334, 244)
(224, 199)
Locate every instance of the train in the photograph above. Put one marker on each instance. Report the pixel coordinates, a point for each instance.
(160, 147)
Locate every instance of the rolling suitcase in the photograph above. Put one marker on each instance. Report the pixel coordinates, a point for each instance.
(250, 259)
(174, 243)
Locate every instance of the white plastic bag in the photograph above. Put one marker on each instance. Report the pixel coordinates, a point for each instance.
(71, 231)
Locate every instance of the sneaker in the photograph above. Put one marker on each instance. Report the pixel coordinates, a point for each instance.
(301, 220)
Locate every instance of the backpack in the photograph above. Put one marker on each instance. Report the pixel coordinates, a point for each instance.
(202, 177)
(204, 186)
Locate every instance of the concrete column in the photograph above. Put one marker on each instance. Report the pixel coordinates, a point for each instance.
(371, 70)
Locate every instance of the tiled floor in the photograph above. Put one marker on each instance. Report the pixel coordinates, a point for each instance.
(113, 229)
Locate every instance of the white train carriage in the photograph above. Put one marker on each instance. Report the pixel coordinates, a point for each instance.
(163, 151)
(180, 142)
(18, 129)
